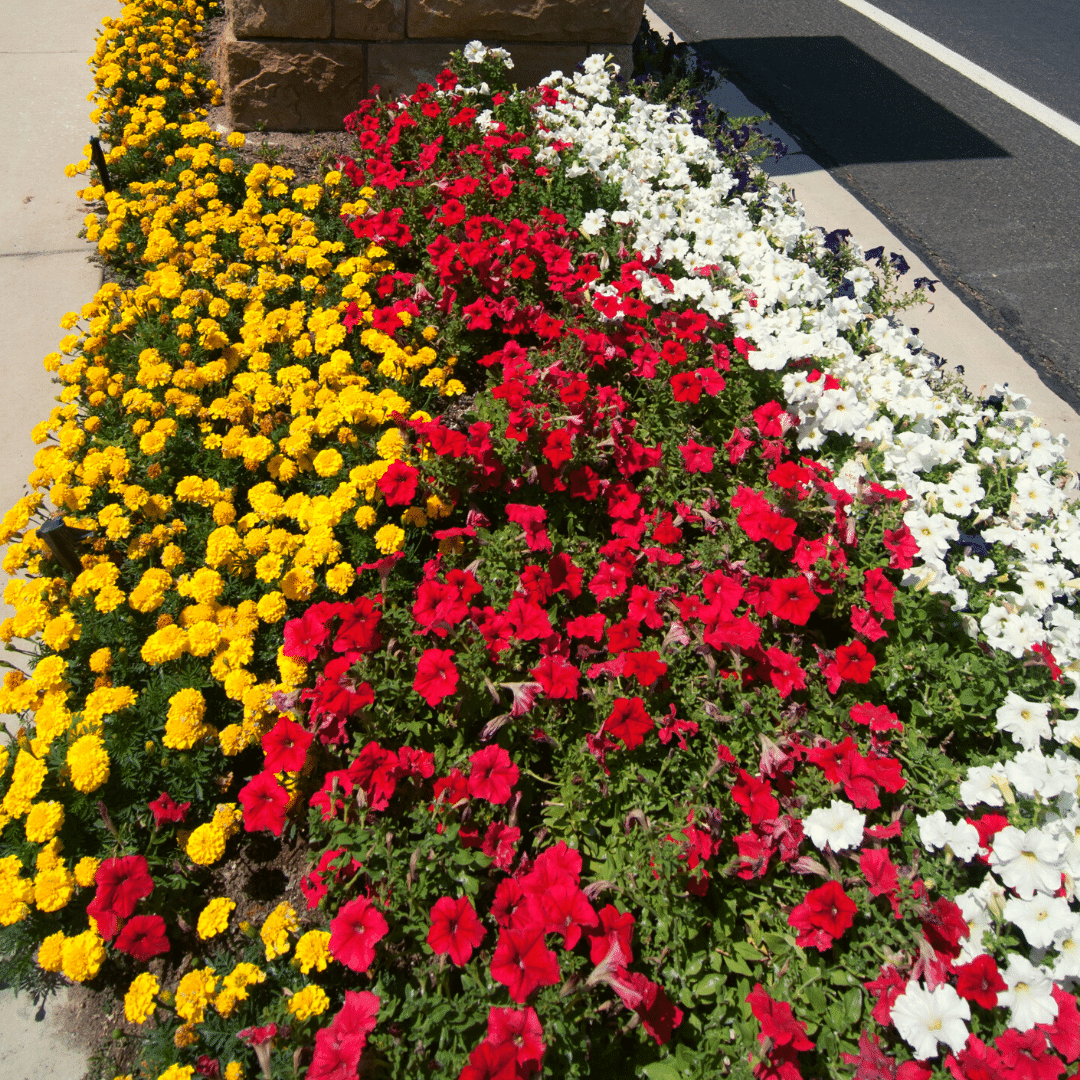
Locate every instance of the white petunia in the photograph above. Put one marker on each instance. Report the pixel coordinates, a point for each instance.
(1026, 721)
(1029, 994)
(932, 532)
(840, 826)
(1040, 918)
(1067, 964)
(926, 1017)
(1028, 862)
(980, 787)
(474, 52)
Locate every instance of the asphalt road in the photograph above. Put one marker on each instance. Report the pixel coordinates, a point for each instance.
(987, 196)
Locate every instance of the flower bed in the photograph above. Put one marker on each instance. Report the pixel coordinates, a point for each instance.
(540, 534)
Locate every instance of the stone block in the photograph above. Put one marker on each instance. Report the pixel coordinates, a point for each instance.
(292, 85)
(369, 20)
(526, 20)
(396, 67)
(281, 18)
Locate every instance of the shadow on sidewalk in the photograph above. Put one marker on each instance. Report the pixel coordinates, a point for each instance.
(874, 114)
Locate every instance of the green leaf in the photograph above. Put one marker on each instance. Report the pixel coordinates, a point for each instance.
(661, 1070)
(710, 985)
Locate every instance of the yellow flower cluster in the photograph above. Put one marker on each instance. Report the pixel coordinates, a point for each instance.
(234, 987)
(79, 957)
(309, 1002)
(139, 1001)
(206, 844)
(193, 993)
(276, 929)
(313, 951)
(214, 918)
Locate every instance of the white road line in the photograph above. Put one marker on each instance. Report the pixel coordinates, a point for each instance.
(1064, 127)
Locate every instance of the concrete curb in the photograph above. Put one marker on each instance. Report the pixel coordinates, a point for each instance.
(947, 326)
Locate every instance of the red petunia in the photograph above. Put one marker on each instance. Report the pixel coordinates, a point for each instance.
(776, 1020)
(265, 802)
(493, 775)
(646, 667)
(455, 929)
(792, 599)
(491, 1062)
(980, 981)
(823, 916)
(686, 387)
(502, 186)
(354, 933)
(522, 962)
(521, 1029)
(285, 746)
(558, 448)
(398, 483)
(143, 937)
(879, 592)
(122, 883)
(629, 721)
(436, 676)
(165, 809)
(566, 911)
(697, 458)
(531, 519)
(854, 663)
(558, 678)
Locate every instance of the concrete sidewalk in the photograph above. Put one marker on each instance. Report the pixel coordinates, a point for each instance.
(946, 325)
(43, 274)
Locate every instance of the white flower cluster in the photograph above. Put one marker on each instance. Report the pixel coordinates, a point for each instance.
(476, 53)
(886, 396)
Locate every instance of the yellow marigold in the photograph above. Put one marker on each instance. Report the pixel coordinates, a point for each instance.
(276, 929)
(299, 583)
(391, 446)
(204, 586)
(44, 821)
(203, 638)
(60, 632)
(205, 845)
(311, 1001)
(214, 918)
(53, 889)
(164, 645)
(235, 985)
(193, 994)
(178, 1072)
(48, 858)
(228, 817)
(50, 672)
(83, 956)
(184, 727)
(101, 661)
(149, 594)
(272, 607)
(88, 761)
(389, 538)
(105, 701)
(233, 740)
(185, 1035)
(313, 950)
(234, 1071)
(340, 577)
(26, 782)
(139, 1003)
(328, 462)
(51, 952)
(86, 870)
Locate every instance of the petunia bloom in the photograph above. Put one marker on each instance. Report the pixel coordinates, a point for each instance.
(354, 933)
(455, 929)
(143, 937)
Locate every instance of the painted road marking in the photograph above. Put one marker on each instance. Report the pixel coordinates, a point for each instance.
(1064, 127)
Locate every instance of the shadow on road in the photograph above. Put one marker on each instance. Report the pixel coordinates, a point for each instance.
(852, 109)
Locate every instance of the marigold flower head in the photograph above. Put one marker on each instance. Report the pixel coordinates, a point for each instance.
(53, 888)
(44, 821)
(88, 761)
(313, 951)
(311, 1001)
(83, 956)
(26, 782)
(389, 538)
(214, 918)
(276, 929)
(85, 870)
(193, 994)
(205, 845)
(184, 727)
(51, 952)
(139, 1003)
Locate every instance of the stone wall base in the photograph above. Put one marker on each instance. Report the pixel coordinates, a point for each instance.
(302, 65)
(283, 85)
